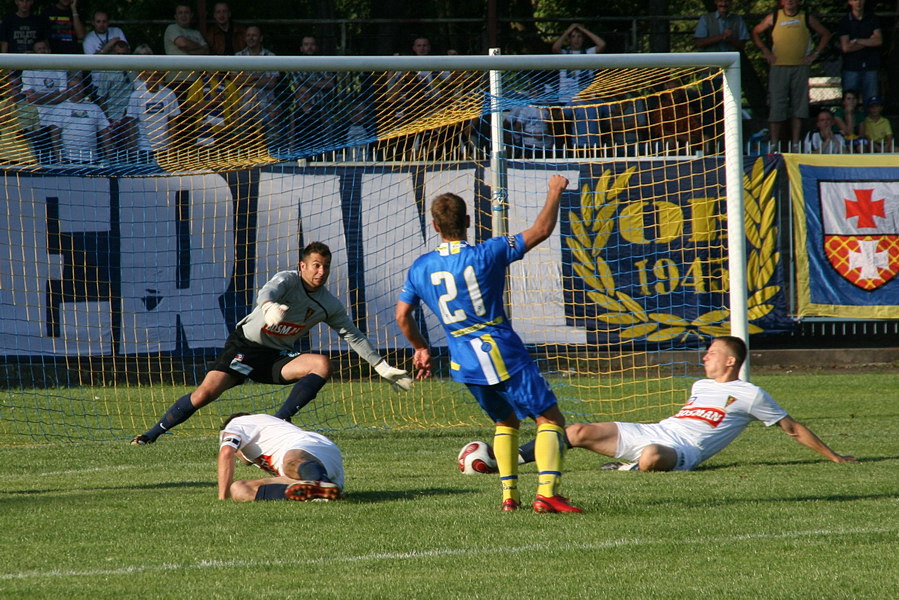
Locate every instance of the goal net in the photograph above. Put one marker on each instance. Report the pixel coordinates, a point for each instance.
(147, 199)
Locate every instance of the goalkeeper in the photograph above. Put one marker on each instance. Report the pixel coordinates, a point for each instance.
(261, 347)
(719, 409)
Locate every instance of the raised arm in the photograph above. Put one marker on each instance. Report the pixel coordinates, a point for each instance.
(562, 39)
(546, 221)
(807, 438)
(597, 41)
(77, 23)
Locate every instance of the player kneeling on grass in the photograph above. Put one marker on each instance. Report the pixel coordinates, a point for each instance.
(304, 465)
(719, 409)
(261, 347)
(464, 286)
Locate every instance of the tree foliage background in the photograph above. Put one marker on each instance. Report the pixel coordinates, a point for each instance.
(388, 26)
(381, 27)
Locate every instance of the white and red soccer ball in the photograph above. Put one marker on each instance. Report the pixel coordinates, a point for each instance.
(477, 457)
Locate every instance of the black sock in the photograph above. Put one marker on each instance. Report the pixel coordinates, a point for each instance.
(271, 491)
(526, 451)
(312, 470)
(177, 413)
(302, 394)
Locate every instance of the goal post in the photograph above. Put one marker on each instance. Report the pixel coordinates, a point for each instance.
(127, 258)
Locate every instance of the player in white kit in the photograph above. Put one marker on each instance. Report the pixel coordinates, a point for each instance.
(303, 465)
(718, 410)
(261, 347)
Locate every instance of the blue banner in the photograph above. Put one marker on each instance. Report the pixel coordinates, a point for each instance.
(105, 266)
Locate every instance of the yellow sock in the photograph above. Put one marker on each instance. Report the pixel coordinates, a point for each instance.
(548, 449)
(505, 448)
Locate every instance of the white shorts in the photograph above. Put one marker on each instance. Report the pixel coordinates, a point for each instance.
(321, 448)
(634, 437)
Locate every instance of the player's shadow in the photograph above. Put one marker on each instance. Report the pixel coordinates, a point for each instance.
(47, 495)
(788, 463)
(378, 496)
(93, 490)
(731, 502)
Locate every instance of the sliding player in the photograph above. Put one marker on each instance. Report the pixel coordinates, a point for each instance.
(463, 285)
(261, 347)
(719, 409)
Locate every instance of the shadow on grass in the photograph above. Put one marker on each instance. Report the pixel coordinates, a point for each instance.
(731, 501)
(379, 496)
(788, 463)
(148, 486)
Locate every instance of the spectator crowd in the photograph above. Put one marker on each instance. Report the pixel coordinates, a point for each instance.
(99, 116)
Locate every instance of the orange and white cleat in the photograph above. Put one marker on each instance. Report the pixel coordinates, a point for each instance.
(305, 491)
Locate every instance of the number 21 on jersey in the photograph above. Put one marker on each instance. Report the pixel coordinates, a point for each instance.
(485, 348)
(446, 279)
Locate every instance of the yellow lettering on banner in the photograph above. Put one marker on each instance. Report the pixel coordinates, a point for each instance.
(669, 222)
(631, 223)
(667, 276)
(703, 219)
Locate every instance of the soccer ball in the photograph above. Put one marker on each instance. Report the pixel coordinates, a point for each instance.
(477, 457)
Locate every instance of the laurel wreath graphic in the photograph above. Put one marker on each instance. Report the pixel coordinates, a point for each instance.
(593, 227)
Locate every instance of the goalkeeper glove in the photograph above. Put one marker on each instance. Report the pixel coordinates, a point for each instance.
(274, 313)
(399, 378)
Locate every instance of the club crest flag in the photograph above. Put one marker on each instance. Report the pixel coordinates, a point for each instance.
(861, 233)
(846, 217)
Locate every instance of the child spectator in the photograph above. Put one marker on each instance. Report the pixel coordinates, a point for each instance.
(823, 140)
(573, 81)
(876, 128)
(848, 117)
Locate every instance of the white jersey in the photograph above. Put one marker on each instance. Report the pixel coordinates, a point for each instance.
(265, 439)
(80, 124)
(44, 82)
(153, 111)
(305, 311)
(716, 413)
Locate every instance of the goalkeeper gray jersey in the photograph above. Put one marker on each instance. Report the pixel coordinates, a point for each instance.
(305, 311)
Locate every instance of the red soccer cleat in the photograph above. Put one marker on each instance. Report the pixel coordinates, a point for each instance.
(510, 505)
(554, 504)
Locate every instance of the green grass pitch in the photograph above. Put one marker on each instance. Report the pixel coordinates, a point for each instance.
(766, 518)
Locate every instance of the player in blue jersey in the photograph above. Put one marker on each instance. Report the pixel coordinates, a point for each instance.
(463, 284)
